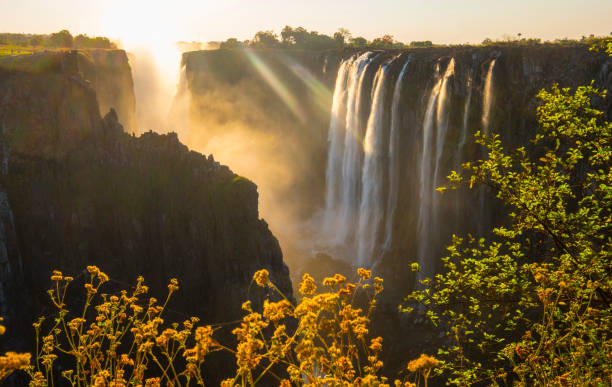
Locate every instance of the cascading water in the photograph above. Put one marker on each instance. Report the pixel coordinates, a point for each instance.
(488, 95)
(336, 146)
(486, 118)
(353, 149)
(394, 148)
(442, 118)
(435, 120)
(344, 160)
(364, 166)
(466, 114)
(371, 207)
(425, 167)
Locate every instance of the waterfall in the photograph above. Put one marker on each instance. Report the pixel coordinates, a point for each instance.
(435, 119)
(343, 173)
(486, 117)
(353, 149)
(337, 127)
(425, 171)
(394, 148)
(442, 118)
(460, 153)
(365, 156)
(466, 115)
(488, 95)
(371, 208)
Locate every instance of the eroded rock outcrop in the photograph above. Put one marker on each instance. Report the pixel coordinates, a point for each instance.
(76, 190)
(110, 75)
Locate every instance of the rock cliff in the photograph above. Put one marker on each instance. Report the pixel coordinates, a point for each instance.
(111, 77)
(287, 94)
(76, 190)
(445, 94)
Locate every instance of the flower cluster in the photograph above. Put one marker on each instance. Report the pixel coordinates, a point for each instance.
(320, 341)
(116, 340)
(123, 340)
(12, 361)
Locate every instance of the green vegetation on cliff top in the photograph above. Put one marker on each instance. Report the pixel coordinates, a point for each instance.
(19, 44)
(301, 38)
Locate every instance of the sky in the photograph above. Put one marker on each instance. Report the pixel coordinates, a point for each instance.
(443, 21)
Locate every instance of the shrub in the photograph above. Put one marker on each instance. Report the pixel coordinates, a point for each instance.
(122, 339)
(532, 306)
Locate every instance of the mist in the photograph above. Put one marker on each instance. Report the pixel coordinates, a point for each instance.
(156, 75)
(252, 142)
(257, 145)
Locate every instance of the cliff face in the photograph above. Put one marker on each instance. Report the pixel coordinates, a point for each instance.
(287, 94)
(282, 97)
(76, 190)
(111, 77)
(266, 113)
(404, 119)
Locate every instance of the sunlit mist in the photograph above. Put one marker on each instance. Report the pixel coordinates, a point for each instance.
(276, 84)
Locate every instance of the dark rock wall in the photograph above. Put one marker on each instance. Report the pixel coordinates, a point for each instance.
(285, 95)
(519, 73)
(230, 86)
(76, 190)
(111, 77)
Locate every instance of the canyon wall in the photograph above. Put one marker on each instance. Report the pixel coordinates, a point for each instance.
(76, 190)
(397, 123)
(266, 114)
(110, 75)
(364, 171)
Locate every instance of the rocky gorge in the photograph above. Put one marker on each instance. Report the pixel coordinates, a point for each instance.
(346, 146)
(77, 190)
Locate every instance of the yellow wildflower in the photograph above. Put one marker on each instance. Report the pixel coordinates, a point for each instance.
(307, 286)
(364, 274)
(423, 363)
(261, 278)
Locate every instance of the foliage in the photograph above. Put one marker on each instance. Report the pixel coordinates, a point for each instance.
(359, 42)
(424, 43)
(12, 361)
(122, 339)
(231, 43)
(84, 41)
(602, 45)
(303, 39)
(27, 43)
(590, 40)
(533, 304)
(62, 38)
(385, 42)
(265, 39)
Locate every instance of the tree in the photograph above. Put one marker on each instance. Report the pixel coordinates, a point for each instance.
(84, 41)
(231, 43)
(36, 40)
(423, 43)
(342, 36)
(287, 36)
(359, 42)
(60, 39)
(385, 41)
(265, 39)
(532, 306)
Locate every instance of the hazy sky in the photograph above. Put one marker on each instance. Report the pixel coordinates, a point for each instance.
(442, 21)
